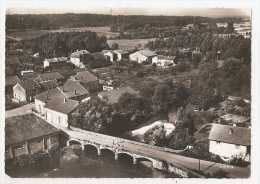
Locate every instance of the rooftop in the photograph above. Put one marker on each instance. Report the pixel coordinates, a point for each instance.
(25, 127)
(61, 105)
(86, 77)
(49, 95)
(54, 60)
(106, 51)
(50, 76)
(28, 85)
(79, 53)
(11, 80)
(239, 135)
(167, 57)
(48, 84)
(147, 53)
(98, 55)
(121, 51)
(114, 95)
(73, 88)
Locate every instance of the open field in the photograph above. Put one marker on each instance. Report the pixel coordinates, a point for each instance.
(37, 33)
(125, 44)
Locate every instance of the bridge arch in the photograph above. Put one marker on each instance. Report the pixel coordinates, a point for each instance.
(107, 148)
(125, 153)
(145, 159)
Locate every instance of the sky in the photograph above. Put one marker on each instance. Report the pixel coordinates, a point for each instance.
(144, 10)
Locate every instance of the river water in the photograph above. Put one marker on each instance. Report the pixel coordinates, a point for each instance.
(75, 163)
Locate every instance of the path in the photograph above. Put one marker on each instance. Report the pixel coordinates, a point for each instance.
(25, 109)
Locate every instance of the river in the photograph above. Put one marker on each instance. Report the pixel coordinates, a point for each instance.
(75, 163)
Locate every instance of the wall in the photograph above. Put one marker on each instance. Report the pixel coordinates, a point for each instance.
(138, 57)
(34, 145)
(39, 106)
(19, 93)
(54, 117)
(75, 61)
(46, 63)
(226, 149)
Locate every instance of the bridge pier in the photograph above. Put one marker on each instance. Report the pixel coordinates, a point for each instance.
(99, 151)
(134, 160)
(116, 156)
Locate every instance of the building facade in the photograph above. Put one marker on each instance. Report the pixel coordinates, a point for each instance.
(142, 56)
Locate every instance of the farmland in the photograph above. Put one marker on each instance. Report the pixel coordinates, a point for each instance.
(126, 44)
(37, 33)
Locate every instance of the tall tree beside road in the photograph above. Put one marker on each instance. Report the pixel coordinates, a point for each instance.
(94, 115)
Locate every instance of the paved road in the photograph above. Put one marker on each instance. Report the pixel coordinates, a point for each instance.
(25, 109)
(157, 152)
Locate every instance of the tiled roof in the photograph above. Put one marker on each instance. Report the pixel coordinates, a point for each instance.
(239, 136)
(166, 57)
(106, 51)
(121, 51)
(48, 84)
(86, 77)
(60, 105)
(147, 53)
(29, 76)
(114, 95)
(73, 88)
(98, 55)
(12, 61)
(11, 80)
(78, 53)
(25, 127)
(50, 76)
(29, 85)
(49, 95)
(60, 59)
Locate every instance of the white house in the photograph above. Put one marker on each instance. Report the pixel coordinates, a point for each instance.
(121, 55)
(80, 58)
(163, 60)
(58, 111)
(111, 54)
(230, 141)
(142, 56)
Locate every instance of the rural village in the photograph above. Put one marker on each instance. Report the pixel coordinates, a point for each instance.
(172, 91)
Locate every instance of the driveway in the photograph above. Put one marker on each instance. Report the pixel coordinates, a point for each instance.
(25, 109)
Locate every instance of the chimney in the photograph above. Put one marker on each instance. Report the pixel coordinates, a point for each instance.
(168, 56)
(65, 99)
(231, 131)
(33, 86)
(52, 86)
(75, 92)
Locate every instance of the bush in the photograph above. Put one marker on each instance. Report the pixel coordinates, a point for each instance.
(9, 104)
(219, 174)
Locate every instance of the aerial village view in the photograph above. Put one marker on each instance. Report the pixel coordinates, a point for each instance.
(127, 96)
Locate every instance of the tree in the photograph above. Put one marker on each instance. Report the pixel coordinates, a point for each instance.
(220, 174)
(93, 115)
(155, 135)
(180, 139)
(147, 91)
(115, 46)
(230, 28)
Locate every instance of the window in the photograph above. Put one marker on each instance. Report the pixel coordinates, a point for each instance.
(237, 146)
(218, 142)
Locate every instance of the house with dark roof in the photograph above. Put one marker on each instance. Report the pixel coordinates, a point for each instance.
(122, 55)
(24, 91)
(113, 96)
(98, 57)
(12, 61)
(28, 137)
(10, 82)
(28, 76)
(164, 60)
(56, 76)
(87, 80)
(55, 62)
(111, 54)
(43, 98)
(230, 141)
(58, 111)
(142, 56)
(70, 90)
(46, 85)
(80, 58)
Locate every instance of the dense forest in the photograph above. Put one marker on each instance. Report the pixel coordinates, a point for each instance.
(116, 22)
(61, 44)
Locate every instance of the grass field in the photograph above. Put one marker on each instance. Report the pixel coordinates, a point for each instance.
(36, 33)
(125, 44)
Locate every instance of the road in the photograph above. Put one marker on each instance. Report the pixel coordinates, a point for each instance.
(157, 152)
(25, 109)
